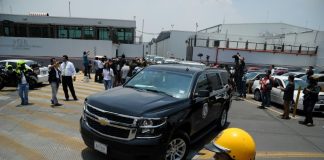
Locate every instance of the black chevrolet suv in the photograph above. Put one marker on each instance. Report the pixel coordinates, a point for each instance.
(156, 114)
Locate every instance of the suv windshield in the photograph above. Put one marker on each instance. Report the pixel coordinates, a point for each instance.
(170, 83)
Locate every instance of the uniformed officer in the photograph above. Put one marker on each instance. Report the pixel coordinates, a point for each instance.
(23, 75)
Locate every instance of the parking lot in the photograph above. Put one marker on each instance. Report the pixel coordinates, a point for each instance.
(39, 131)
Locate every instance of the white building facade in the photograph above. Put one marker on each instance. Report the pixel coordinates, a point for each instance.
(24, 35)
(260, 43)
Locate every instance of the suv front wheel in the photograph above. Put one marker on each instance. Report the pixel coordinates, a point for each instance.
(178, 147)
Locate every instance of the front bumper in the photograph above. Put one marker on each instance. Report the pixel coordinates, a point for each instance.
(42, 78)
(124, 149)
(319, 108)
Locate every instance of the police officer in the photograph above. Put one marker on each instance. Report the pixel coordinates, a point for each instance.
(23, 75)
(233, 143)
(310, 98)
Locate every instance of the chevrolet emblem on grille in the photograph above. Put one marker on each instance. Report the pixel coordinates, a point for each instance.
(103, 121)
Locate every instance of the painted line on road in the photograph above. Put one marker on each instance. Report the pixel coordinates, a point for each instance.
(265, 154)
(273, 110)
(69, 141)
(19, 149)
(208, 155)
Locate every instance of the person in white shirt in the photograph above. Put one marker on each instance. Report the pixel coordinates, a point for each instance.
(108, 75)
(124, 72)
(68, 70)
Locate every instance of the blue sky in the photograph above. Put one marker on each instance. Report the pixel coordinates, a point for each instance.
(160, 15)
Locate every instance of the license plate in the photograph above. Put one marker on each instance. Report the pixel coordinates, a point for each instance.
(100, 147)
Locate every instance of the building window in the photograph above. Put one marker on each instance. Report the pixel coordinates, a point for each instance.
(38, 31)
(121, 34)
(62, 32)
(103, 34)
(75, 32)
(88, 32)
(21, 30)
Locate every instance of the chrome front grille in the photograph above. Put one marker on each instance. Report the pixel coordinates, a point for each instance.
(110, 124)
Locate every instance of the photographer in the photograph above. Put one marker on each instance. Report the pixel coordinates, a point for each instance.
(86, 64)
(54, 80)
(310, 98)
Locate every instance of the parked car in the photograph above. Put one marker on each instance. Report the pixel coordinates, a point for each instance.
(170, 61)
(295, 74)
(158, 59)
(277, 94)
(280, 70)
(157, 113)
(251, 77)
(40, 71)
(193, 64)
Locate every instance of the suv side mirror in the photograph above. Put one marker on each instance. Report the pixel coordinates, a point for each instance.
(203, 93)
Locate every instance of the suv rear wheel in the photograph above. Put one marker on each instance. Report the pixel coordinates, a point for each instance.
(222, 120)
(178, 147)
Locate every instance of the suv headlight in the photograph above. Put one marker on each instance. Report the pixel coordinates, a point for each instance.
(150, 127)
(84, 110)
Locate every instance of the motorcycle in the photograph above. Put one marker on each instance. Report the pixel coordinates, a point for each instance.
(8, 79)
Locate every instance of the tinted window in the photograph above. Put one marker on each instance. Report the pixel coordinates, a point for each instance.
(224, 77)
(202, 83)
(214, 80)
(172, 83)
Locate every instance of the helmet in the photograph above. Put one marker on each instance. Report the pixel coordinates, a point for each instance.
(20, 63)
(235, 142)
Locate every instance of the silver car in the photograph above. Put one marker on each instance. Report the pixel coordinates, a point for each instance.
(277, 93)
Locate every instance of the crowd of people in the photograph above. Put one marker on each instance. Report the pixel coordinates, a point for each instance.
(238, 75)
(116, 71)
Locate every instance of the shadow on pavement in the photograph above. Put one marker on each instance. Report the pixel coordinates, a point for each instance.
(89, 154)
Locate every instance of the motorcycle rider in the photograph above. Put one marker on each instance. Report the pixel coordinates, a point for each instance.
(23, 76)
(233, 143)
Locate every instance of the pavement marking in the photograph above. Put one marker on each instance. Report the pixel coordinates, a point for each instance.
(208, 155)
(289, 155)
(49, 96)
(19, 149)
(71, 142)
(270, 109)
(45, 116)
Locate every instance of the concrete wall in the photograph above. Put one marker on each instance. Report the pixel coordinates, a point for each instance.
(53, 47)
(211, 52)
(225, 56)
(174, 46)
(320, 52)
(131, 50)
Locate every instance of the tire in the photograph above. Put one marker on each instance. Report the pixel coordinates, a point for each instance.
(257, 95)
(222, 120)
(178, 147)
(1, 83)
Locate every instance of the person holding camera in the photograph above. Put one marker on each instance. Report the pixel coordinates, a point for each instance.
(86, 65)
(310, 98)
(68, 71)
(54, 75)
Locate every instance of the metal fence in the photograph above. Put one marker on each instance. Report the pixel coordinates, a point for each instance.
(253, 46)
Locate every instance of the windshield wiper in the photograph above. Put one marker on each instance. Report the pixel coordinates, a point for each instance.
(157, 91)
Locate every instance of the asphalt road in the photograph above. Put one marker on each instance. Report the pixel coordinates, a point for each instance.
(39, 131)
